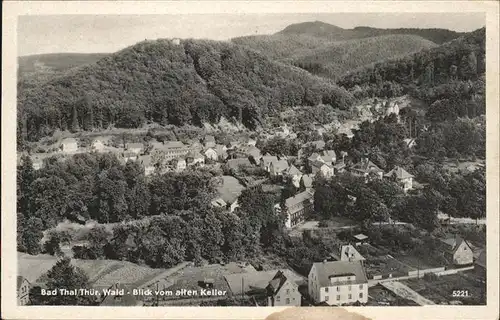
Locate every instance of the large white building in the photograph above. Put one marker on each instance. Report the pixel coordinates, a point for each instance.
(338, 282)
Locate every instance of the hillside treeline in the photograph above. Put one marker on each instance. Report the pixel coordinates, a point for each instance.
(159, 81)
(461, 60)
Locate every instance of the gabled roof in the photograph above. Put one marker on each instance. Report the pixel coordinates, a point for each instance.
(20, 280)
(298, 198)
(348, 252)
(452, 244)
(173, 144)
(235, 163)
(277, 282)
(325, 270)
(194, 154)
(146, 160)
(280, 165)
(319, 164)
(293, 171)
(126, 300)
(267, 159)
(307, 180)
(330, 154)
(481, 259)
(209, 138)
(313, 156)
(398, 173)
(366, 166)
(319, 144)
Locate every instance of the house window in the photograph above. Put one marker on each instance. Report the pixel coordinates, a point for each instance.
(327, 298)
(326, 289)
(338, 297)
(338, 289)
(350, 288)
(349, 296)
(287, 291)
(287, 300)
(361, 295)
(360, 286)
(277, 298)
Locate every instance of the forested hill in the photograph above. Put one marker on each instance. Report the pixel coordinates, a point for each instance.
(331, 32)
(165, 82)
(335, 60)
(462, 59)
(37, 68)
(449, 78)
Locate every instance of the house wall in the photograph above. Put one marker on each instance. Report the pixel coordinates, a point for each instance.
(343, 294)
(288, 295)
(211, 154)
(23, 293)
(463, 255)
(312, 284)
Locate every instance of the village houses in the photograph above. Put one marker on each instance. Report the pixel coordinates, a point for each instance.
(365, 168)
(172, 149)
(23, 291)
(293, 173)
(277, 168)
(297, 208)
(209, 141)
(338, 282)
(282, 291)
(178, 164)
(211, 154)
(306, 181)
(458, 251)
(401, 177)
(266, 160)
(319, 166)
(195, 158)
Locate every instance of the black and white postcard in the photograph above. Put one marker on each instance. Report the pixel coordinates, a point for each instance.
(319, 158)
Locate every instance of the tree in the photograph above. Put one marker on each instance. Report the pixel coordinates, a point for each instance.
(74, 124)
(52, 245)
(25, 177)
(32, 235)
(64, 275)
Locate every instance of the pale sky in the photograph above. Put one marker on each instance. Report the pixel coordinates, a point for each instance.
(110, 33)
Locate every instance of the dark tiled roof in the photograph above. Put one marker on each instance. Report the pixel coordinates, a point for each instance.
(325, 270)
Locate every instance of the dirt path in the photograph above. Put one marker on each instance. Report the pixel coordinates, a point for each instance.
(406, 292)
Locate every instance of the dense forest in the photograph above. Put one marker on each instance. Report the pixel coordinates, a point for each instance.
(159, 81)
(462, 59)
(335, 60)
(168, 217)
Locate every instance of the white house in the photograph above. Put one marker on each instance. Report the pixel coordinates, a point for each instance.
(266, 160)
(211, 154)
(195, 158)
(324, 168)
(295, 175)
(69, 145)
(328, 156)
(278, 167)
(296, 208)
(338, 282)
(282, 291)
(209, 141)
(401, 177)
